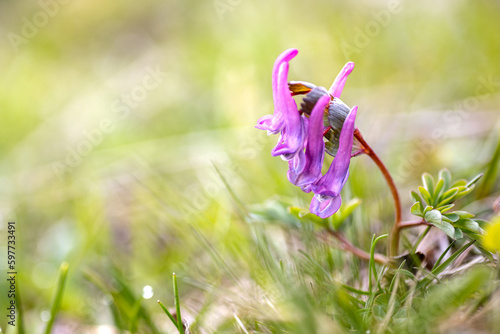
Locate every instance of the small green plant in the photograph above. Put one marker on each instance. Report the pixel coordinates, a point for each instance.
(434, 203)
(177, 319)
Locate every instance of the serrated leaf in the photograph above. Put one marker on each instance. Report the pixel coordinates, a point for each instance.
(446, 176)
(425, 195)
(464, 214)
(469, 225)
(416, 209)
(428, 182)
(453, 217)
(458, 233)
(445, 208)
(438, 189)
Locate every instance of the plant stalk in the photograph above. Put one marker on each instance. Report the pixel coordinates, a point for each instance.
(396, 229)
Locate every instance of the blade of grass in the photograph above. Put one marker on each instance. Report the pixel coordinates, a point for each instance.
(420, 238)
(94, 278)
(452, 258)
(371, 265)
(177, 305)
(171, 317)
(438, 262)
(391, 305)
(135, 316)
(57, 297)
(242, 326)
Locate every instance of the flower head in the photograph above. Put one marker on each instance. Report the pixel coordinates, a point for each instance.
(302, 134)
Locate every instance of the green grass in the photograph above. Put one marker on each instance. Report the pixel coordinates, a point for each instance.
(182, 182)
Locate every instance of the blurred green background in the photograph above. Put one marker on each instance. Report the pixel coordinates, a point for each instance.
(114, 114)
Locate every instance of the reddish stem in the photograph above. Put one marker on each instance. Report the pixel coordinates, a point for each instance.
(394, 236)
(348, 246)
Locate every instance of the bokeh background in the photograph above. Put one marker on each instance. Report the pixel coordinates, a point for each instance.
(128, 149)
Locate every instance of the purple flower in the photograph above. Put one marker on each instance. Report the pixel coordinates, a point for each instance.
(326, 200)
(292, 135)
(286, 118)
(338, 85)
(301, 134)
(305, 168)
(275, 123)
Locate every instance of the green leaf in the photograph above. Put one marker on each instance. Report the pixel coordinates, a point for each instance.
(459, 183)
(458, 233)
(445, 208)
(482, 223)
(416, 197)
(405, 272)
(464, 214)
(428, 182)
(452, 258)
(434, 217)
(345, 211)
(180, 326)
(469, 225)
(447, 197)
(427, 209)
(464, 192)
(446, 176)
(439, 188)
(170, 316)
(425, 195)
(57, 296)
(306, 215)
(474, 180)
(416, 209)
(443, 254)
(453, 217)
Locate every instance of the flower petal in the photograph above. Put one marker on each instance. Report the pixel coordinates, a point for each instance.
(292, 134)
(338, 85)
(332, 182)
(274, 123)
(305, 169)
(325, 206)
